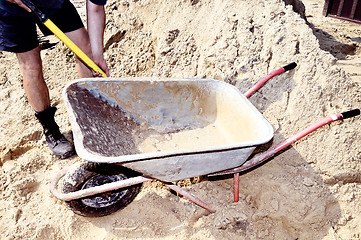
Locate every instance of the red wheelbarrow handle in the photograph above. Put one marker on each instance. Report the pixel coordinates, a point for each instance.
(261, 82)
(271, 152)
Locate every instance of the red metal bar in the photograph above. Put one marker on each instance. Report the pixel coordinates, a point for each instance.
(271, 152)
(353, 9)
(261, 82)
(93, 190)
(190, 197)
(258, 85)
(326, 7)
(114, 186)
(236, 187)
(344, 10)
(340, 7)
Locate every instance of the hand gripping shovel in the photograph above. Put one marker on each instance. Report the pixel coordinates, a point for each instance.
(69, 43)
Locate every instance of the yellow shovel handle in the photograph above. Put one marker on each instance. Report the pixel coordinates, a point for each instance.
(73, 47)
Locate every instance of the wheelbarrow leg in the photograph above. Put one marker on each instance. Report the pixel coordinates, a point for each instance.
(190, 197)
(236, 187)
(247, 95)
(271, 152)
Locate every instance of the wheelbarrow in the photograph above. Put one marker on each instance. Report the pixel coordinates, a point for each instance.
(133, 130)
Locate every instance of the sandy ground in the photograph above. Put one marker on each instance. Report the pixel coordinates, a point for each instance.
(312, 190)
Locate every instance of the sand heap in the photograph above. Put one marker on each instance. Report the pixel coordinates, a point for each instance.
(310, 191)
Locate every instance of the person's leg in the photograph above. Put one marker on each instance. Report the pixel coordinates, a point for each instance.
(18, 35)
(35, 87)
(37, 93)
(81, 38)
(67, 19)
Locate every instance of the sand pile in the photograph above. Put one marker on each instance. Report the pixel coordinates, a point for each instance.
(310, 191)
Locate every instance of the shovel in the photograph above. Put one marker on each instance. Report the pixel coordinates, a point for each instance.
(69, 43)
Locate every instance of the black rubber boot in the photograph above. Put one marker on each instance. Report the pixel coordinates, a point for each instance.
(57, 143)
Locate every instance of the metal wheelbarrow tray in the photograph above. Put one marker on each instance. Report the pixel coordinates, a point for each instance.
(167, 129)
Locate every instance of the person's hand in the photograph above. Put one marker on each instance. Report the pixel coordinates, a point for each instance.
(20, 4)
(103, 65)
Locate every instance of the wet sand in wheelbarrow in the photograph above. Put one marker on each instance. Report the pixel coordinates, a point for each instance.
(169, 130)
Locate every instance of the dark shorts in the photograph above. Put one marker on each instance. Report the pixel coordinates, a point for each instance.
(18, 34)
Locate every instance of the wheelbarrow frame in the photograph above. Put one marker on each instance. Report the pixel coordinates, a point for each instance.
(248, 165)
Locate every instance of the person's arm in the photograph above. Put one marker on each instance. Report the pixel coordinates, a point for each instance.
(96, 26)
(20, 4)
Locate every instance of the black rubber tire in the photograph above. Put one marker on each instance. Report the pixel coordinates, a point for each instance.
(94, 174)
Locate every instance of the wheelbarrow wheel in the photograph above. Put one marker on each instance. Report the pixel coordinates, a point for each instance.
(88, 175)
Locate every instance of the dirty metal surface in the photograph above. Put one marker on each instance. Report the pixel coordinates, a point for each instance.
(168, 130)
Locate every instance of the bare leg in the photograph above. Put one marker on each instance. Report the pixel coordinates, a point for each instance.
(34, 85)
(81, 38)
(37, 93)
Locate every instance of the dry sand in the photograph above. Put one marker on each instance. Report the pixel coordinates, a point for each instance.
(310, 191)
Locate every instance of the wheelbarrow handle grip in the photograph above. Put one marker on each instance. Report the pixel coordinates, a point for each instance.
(261, 82)
(35, 10)
(290, 66)
(351, 113)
